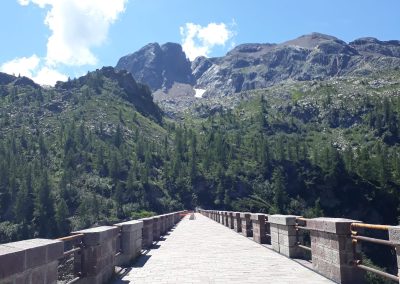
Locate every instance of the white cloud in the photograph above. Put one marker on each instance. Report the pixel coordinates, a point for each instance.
(23, 2)
(199, 41)
(24, 66)
(49, 76)
(31, 67)
(77, 26)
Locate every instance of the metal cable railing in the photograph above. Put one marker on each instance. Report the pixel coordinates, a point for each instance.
(70, 264)
(357, 257)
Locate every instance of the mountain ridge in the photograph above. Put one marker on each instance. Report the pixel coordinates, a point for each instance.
(252, 66)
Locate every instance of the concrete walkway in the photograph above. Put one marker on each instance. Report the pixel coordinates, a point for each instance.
(203, 251)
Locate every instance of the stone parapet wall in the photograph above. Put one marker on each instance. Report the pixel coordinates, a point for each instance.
(332, 249)
(98, 254)
(247, 229)
(31, 261)
(331, 243)
(36, 261)
(284, 235)
(260, 228)
(237, 222)
(131, 241)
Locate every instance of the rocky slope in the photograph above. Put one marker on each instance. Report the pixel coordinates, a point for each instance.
(158, 66)
(255, 66)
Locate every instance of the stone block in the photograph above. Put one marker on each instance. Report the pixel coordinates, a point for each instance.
(275, 246)
(166, 222)
(222, 217)
(38, 274)
(394, 235)
(163, 226)
(292, 252)
(39, 251)
(275, 237)
(230, 220)
(339, 226)
(98, 254)
(287, 240)
(274, 228)
(226, 221)
(332, 249)
(287, 220)
(237, 222)
(156, 228)
(30, 261)
(12, 261)
(20, 278)
(95, 236)
(129, 226)
(147, 232)
(259, 228)
(258, 217)
(286, 230)
(52, 272)
(245, 215)
(246, 224)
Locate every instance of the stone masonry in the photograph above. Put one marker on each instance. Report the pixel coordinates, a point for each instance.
(237, 222)
(147, 235)
(32, 261)
(394, 236)
(162, 224)
(98, 254)
(283, 235)
(222, 213)
(202, 251)
(156, 228)
(36, 261)
(131, 241)
(230, 220)
(246, 224)
(226, 217)
(259, 228)
(332, 250)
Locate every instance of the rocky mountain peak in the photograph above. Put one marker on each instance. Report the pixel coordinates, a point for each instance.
(158, 66)
(311, 41)
(250, 66)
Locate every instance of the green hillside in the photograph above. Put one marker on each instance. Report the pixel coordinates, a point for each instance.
(97, 149)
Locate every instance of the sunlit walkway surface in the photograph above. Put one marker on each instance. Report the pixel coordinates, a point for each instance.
(203, 251)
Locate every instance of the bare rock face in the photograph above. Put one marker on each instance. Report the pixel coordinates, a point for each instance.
(254, 65)
(372, 46)
(309, 57)
(158, 66)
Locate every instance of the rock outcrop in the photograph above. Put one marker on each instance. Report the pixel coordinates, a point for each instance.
(253, 66)
(158, 66)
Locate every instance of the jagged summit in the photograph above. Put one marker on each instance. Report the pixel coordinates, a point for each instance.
(311, 41)
(249, 66)
(158, 66)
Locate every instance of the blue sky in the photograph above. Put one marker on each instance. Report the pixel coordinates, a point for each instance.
(53, 39)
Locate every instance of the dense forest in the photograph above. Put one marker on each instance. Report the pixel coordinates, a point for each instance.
(96, 150)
